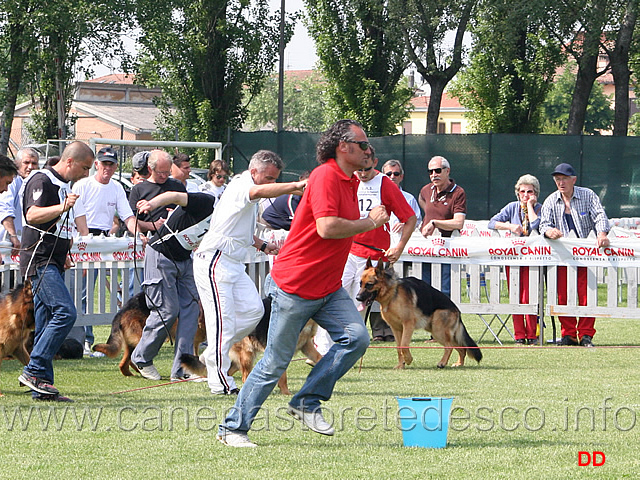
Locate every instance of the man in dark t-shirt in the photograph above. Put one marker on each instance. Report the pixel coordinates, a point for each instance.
(159, 182)
(48, 208)
(168, 278)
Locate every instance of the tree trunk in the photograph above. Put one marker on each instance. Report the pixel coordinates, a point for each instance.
(619, 59)
(587, 74)
(433, 111)
(14, 79)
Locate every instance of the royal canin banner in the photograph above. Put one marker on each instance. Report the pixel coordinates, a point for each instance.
(91, 249)
(624, 250)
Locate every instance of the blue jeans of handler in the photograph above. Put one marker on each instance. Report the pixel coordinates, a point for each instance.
(55, 315)
(337, 314)
(445, 275)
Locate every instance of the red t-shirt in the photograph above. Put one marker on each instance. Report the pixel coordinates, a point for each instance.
(310, 266)
(392, 198)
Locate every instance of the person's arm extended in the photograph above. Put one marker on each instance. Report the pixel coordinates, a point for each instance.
(338, 227)
(271, 190)
(166, 198)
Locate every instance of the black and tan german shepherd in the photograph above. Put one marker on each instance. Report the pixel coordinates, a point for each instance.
(243, 353)
(407, 304)
(17, 321)
(126, 331)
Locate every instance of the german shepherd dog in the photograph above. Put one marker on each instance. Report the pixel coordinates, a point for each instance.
(243, 353)
(17, 321)
(126, 330)
(409, 303)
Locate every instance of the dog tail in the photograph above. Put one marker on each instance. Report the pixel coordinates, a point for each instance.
(193, 365)
(466, 341)
(114, 343)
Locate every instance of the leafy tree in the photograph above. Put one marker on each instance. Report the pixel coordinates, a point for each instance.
(599, 115)
(16, 47)
(512, 63)
(425, 26)
(305, 105)
(580, 27)
(206, 55)
(363, 60)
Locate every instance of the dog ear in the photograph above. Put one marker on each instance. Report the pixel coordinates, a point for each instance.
(369, 264)
(380, 267)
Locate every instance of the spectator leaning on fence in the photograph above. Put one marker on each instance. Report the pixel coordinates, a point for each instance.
(573, 209)
(10, 200)
(521, 218)
(445, 207)
(46, 239)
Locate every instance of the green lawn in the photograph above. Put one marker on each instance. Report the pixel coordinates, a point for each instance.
(514, 417)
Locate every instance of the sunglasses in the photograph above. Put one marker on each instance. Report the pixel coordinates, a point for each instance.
(364, 145)
(395, 174)
(435, 170)
(221, 176)
(526, 191)
(365, 169)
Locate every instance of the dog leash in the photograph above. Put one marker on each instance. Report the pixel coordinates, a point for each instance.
(370, 246)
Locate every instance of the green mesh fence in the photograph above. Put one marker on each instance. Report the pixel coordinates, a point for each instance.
(485, 165)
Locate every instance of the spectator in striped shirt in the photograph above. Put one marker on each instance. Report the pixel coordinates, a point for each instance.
(576, 209)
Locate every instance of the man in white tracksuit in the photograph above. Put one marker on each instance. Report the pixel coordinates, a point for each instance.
(231, 302)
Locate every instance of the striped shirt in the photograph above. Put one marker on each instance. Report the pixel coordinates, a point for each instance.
(586, 211)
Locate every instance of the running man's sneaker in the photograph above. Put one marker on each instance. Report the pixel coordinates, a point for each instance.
(235, 439)
(52, 398)
(314, 420)
(150, 372)
(37, 384)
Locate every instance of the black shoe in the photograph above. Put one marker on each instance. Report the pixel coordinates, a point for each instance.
(52, 398)
(520, 341)
(568, 341)
(235, 391)
(389, 338)
(378, 338)
(586, 341)
(533, 341)
(37, 384)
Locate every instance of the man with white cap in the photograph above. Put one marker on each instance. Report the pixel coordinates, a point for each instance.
(573, 209)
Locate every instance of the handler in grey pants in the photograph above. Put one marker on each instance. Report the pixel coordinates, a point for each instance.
(169, 284)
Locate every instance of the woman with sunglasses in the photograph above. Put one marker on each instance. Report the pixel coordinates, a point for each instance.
(217, 179)
(521, 218)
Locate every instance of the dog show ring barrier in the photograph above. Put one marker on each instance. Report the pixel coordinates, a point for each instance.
(478, 280)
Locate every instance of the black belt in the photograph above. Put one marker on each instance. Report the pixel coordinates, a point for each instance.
(97, 231)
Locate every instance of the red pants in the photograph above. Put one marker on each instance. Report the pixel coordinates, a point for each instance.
(520, 329)
(585, 325)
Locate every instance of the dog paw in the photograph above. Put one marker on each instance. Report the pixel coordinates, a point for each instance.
(400, 366)
(458, 364)
(441, 365)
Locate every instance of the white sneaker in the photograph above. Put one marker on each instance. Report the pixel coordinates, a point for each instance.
(149, 372)
(86, 351)
(189, 377)
(97, 355)
(235, 439)
(314, 420)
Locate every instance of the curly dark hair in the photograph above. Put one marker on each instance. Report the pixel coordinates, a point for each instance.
(329, 141)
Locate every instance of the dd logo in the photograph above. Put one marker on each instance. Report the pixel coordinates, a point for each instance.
(596, 459)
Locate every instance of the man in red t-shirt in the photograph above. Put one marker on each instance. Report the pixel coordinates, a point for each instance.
(306, 283)
(376, 189)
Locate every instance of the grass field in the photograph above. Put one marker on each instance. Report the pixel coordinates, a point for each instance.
(514, 417)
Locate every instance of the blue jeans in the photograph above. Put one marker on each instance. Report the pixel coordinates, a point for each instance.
(445, 287)
(55, 315)
(337, 314)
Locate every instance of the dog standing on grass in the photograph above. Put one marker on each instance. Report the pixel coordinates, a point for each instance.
(17, 321)
(407, 304)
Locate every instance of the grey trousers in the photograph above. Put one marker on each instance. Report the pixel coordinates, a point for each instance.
(171, 292)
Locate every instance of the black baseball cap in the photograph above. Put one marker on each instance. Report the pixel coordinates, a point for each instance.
(107, 154)
(565, 169)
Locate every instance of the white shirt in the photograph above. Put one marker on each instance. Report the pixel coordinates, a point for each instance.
(11, 206)
(101, 202)
(233, 221)
(413, 203)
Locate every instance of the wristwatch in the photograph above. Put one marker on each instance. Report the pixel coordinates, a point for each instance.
(263, 247)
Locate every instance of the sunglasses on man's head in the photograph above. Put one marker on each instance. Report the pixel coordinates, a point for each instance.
(367, 169)
(364, 145)
(435, 170)
(395, 174)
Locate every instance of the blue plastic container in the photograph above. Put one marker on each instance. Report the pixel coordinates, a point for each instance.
(424, 421)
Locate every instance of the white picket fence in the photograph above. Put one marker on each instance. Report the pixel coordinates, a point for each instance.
(476, 289)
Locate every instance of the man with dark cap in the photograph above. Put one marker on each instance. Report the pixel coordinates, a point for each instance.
(576, 209)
